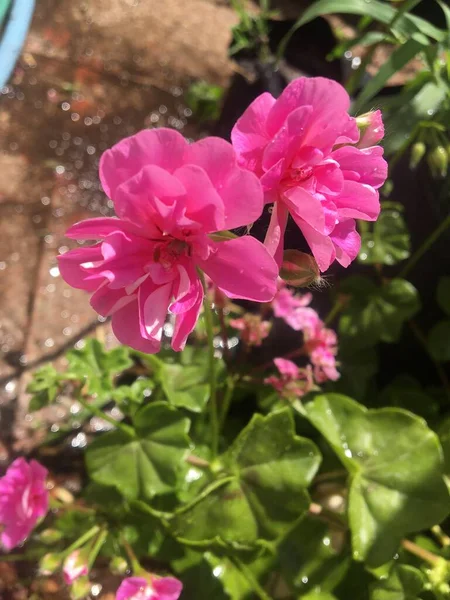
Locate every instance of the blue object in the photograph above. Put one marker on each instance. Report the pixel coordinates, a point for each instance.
(13, 36)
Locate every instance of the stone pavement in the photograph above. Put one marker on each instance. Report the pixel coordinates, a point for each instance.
(91, 73)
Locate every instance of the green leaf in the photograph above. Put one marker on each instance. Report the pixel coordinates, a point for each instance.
(406, 24)
(396, 61)
(308, 560)
(439, 341)
(388, 242)
(406, 392)
(403, 583)
(263, 491)
(147, 463)
(44, 387)
(96, 366)
(396, 468)
(358, 367)
(374, 313)
(443, 294)
(185, 387)
(131, 397)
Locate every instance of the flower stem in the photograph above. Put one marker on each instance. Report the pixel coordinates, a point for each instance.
(96, 547)
(82, 540)
(259, 591)
(425, 555)
(230, 383)
(435, 235)
(101, 415)
(134, 563)
(212, 371)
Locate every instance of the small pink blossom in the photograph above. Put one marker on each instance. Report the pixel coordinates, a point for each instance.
(75, 566)
(23, 500)
(157, 588)
(293, 382)
(302, 146)
(321, 344)
(294, 309)
(170, 197)
(253, 329)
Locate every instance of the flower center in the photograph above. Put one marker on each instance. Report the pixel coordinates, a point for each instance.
(168, 253)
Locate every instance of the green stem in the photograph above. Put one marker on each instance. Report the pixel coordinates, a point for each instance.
(99, 413)
(230, 383)
(96, 547)
(335, 310)
(134, 563)
(212, 372)
(431, 239)
(81, 540)
(258, 590)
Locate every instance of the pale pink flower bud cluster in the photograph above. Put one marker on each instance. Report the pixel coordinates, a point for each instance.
(292, 381)
(253, 329)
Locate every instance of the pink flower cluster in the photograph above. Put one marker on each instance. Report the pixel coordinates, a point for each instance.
(253, 329)
(23, 500)
(303, 152)
(293, 382)
(312, 164)
(320, 345)
(154, 588)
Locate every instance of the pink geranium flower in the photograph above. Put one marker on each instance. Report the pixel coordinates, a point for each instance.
(158, 588)
(253, 329)
(170, 197)
(293, 382)
(321, 344)
(23, 500)
(302, 147)
(75, 566)
(294, 309)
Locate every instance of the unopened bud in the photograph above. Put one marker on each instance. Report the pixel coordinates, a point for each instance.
(75, 566)
(118, 565)
(81, 588)
(50, 536)
(63, 495)
(417, 153)
(299, 269)
(438, 161)
(371, 128)
(49, 563)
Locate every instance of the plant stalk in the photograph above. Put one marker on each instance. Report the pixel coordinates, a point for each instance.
(431, 239)
(101, 415)
(212, 372)
(259, 591)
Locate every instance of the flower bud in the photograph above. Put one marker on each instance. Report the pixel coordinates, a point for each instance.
(75, 566)
(49, 563)
(50, 536)
(299, 269)
(118, 565)
(371, 128)
(417, 153)
(80, 588)
(438, 161)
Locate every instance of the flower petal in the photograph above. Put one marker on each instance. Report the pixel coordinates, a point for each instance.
(185, 321)
(366, 166)
(242, 268)
(346, 241)
(72, 271)
(249, 136)
(162, 147)
(358, 201)
(126, 328)
(203, 203)
(321, 245)
(239, 189)
(153, 308)
(274, 241)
